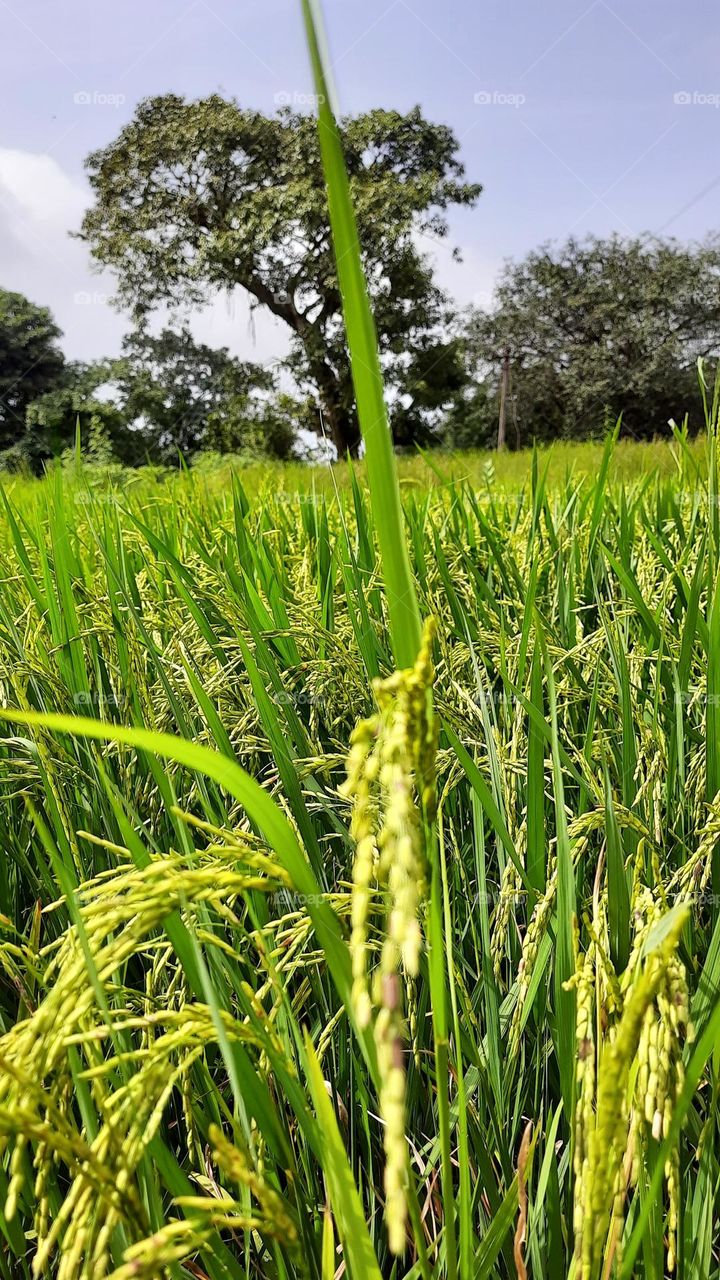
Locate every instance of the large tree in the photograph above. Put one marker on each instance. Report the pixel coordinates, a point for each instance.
(31, 361)
(596, 328)
(194, 197)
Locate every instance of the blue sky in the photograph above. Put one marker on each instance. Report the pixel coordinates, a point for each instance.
(577, 117)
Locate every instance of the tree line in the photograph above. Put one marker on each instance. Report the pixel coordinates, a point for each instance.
(193, 198)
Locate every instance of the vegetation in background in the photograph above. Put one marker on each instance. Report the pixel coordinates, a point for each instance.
(31, 361)
(186, 396)
(196, 197)
(489, 473)
(580, 336)
(593, 329)
(78, 403)
(166, 397)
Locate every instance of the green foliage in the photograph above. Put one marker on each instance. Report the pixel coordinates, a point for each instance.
(53, 419)
(31, 362)
(184, 396)
(256, 428)
(471, 421)
(193, 197)
(599, 328)
(434, 379)
(248, 622)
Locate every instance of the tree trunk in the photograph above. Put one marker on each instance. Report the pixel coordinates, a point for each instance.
(341, 428)
(339, 422)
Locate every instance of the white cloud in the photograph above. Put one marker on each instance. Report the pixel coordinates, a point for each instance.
(40, 205)
(40, 189)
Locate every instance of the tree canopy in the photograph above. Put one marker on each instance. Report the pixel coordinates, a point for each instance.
(166, 394)
(31, 361)
(52, 420)
(600, 327)
(195, 197)
(174, 389)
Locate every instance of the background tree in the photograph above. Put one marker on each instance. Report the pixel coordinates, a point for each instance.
(171, 387)
(31, 362)
(471, 421)
(256, 427)
(193, 197)
(433, 376)
(596, 328)
(53, 418)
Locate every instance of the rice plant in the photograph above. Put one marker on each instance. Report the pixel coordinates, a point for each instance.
(359, 899)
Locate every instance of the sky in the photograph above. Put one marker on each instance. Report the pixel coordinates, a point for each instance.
(576, 117)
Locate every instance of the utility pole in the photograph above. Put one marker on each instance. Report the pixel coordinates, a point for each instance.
(504, 381)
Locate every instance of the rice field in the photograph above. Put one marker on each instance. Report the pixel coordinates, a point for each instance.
(189, 1084)
(359, 906)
